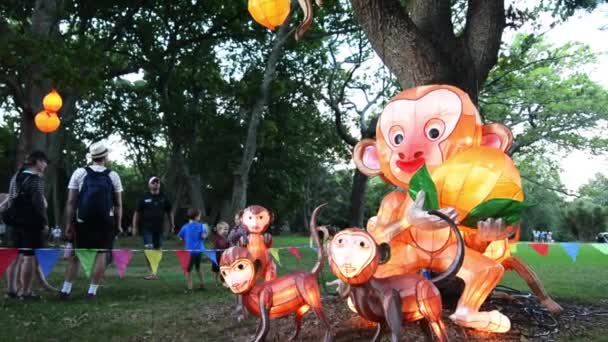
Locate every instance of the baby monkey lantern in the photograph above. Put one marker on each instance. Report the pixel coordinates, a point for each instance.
(47, 121)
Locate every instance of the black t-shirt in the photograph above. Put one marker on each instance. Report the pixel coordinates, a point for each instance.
(152, 209)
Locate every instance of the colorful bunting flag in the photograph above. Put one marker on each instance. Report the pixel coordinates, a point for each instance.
(184, 259)
(47, 258)
(295, 252)
(7, 256)
(212, 256)
(513, 248)
(571, 249)
(540, 248)
(121, 257)
(275, 255)
(602, 247)
(87, 259)
(154, 257)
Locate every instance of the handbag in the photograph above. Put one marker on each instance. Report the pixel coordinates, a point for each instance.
(11, 215)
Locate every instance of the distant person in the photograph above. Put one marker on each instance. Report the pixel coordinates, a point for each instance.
(535, 235)
(549, 236)
(150, 218)
(237, 231)
(193, 233)
(220, 243)
(26, 213)
(93, 215)
(56, 235)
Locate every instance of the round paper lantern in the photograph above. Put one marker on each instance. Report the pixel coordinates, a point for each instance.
(269, 13)
(52, 101)
(47, 122)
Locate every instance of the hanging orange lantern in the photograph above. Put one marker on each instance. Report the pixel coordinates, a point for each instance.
(269, 13)
(47, 122)
(52, 101)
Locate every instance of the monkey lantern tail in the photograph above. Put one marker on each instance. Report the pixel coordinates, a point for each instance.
(315, 236)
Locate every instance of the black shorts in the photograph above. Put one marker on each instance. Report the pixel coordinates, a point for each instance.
(218, 256)
(28, 238)
(98, 235)
(195, 262)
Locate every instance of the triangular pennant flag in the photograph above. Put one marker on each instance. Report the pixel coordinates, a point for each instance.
(275, 255)
(47, 258)
(7, 256)
(571, 249)
(184, 259)
(211, 255)
(154, 256)
(87, 259)
(602, 247)
(295, 252)
(513, 248)
(540, 248)
(121, 257)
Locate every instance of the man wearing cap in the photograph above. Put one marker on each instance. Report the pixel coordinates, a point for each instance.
(150, 217)
(93, 214)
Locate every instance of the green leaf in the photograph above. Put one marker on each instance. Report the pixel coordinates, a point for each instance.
(422, 181)
(508, 209)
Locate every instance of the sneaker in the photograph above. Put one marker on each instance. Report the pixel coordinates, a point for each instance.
(63, 295)
(151, 277)
(10, 295)
(30, 296)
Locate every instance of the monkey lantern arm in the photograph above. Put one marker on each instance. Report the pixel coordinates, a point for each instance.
(268, 240)
(391, 304)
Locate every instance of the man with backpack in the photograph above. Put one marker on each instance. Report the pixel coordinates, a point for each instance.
(93, 215)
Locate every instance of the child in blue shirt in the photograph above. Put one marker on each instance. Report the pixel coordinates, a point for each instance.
(193, 233)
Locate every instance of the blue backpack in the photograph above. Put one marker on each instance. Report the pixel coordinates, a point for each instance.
(95, 198)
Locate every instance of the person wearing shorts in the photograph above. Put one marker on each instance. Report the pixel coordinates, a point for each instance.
(26, 197)
(90, 231)
(193, 233)
(150, 218)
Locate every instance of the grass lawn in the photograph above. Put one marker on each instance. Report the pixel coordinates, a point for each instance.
(135, 309)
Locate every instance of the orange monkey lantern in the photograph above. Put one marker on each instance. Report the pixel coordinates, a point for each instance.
(269, 13)
(52, 102)
(272, 13)
(47, 122)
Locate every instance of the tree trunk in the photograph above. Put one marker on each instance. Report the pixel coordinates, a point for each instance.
(357, 199)
(420, 47)
(241, 174)
(44, 25)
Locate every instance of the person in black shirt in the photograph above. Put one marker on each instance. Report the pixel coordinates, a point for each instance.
(150, 217)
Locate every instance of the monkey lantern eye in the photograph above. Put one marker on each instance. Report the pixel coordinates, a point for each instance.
(362, 244)
(241, 266)
(340, 241)
(398, 139)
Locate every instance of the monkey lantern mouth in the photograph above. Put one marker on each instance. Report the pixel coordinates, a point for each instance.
(236, 287)
(348, 269)
(410, 166)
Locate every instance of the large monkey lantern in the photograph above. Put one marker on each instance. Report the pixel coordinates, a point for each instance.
(429, 126)
(295, 292)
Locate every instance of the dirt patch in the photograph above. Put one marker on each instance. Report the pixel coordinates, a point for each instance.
(529, 322)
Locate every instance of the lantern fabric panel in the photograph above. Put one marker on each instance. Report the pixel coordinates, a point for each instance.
(47, 122)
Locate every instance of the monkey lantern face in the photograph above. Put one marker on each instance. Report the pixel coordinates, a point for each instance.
(239, 276)
(351, 252)
(256, 219)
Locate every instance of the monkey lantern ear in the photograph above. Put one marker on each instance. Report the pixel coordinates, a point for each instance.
(365, 156)
(385, 252)
(498, 136)
(257, 265)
